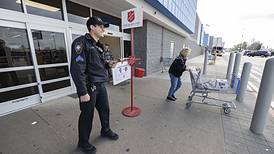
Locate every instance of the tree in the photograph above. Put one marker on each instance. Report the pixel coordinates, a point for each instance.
(255, 46)
(244, 46)
(236, 47)
(239, 47)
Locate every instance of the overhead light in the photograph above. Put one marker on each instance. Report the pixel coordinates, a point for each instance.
(86, 18)
(16, 36)
(39, 5)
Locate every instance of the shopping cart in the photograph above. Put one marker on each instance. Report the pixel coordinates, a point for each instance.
(202, 89)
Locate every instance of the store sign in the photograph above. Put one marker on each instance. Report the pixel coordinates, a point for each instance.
(132, 18)
(121, 72)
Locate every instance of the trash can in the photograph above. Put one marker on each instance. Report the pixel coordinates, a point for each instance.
(238, 83)
(232, 81)
(139, 72)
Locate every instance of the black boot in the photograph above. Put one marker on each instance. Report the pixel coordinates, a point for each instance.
(110, 135)
(87, 148)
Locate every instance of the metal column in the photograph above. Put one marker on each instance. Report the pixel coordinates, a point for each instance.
(205, 61)
(230, 64)
(264, 98)
(244, 81)
(236, 69)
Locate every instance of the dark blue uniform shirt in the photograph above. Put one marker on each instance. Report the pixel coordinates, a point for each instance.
(88, 65)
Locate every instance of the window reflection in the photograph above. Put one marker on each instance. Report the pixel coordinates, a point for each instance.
(55, 85)
(14, 47)
(15, 78)
(77, 13)
(53, 73)
(15, 5)
(49, 47)
(47, 8)
(18, 93)
(75, 36)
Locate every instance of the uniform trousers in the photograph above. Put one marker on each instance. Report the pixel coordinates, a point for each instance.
(98, 100)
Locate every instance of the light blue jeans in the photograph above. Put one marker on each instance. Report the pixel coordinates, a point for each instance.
(175, 84)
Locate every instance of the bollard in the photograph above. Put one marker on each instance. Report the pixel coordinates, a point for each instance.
(263, 99)
(230, 63)
(244, 81)
(205, 62)
(235, 68)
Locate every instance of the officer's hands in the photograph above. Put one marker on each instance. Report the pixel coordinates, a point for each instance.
(85, 98)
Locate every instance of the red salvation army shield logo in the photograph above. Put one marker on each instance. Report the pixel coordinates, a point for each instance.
(130, 16)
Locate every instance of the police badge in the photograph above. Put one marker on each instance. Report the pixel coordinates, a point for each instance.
(78, 47)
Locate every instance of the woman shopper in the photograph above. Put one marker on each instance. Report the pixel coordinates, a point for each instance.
(175, 71)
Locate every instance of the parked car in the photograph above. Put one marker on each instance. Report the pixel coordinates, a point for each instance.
(262, 53)
(246, 52)
(218, 51)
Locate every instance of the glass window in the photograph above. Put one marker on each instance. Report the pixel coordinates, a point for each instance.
(49, 47)
(75, 36)
(53, 73)
(47, 8)
(15, 5)
(15, 78)
(126, 49)
(18, 93)
(77, 13)
(14, 48)
(55, 85)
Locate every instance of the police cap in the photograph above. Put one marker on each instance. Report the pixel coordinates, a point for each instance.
(96, 21)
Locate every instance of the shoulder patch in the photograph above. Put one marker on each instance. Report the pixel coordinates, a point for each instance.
(78, 47)
(79, 58)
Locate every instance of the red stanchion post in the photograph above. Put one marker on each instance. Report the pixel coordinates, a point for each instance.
(131, 111)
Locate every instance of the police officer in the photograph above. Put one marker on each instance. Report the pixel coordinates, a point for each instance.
(89, 72)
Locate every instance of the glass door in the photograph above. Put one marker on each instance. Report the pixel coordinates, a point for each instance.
(18, 83)
(50, 46)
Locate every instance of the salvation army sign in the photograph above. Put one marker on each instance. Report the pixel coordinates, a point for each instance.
(132, 18)
(121, 72)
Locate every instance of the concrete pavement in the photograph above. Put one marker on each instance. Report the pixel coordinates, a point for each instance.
(162, 127)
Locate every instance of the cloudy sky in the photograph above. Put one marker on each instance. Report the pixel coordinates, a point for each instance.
(239, 20)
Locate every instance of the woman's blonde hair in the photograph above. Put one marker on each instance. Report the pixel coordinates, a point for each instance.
(185, 52)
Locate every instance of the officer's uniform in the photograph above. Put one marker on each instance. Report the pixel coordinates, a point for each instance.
(89, 72)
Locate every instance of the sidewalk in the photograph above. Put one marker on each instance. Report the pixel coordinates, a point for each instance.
(162, 127)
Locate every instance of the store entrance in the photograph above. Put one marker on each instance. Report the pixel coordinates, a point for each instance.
(18, 83)
(114, 45)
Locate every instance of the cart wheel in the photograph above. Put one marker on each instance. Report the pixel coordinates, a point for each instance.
(226, 110)
(189, 98)
(188, 105)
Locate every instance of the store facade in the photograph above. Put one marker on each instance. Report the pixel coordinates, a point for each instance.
(36, 37)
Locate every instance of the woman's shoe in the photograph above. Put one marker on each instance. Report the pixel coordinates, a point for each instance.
(170, 98)
(173, 96)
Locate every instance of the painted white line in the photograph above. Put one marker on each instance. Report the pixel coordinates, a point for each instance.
(257, 72)
(255, 77)
(257, 68)
(249, 88)
(252, 86)
(255, 88)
